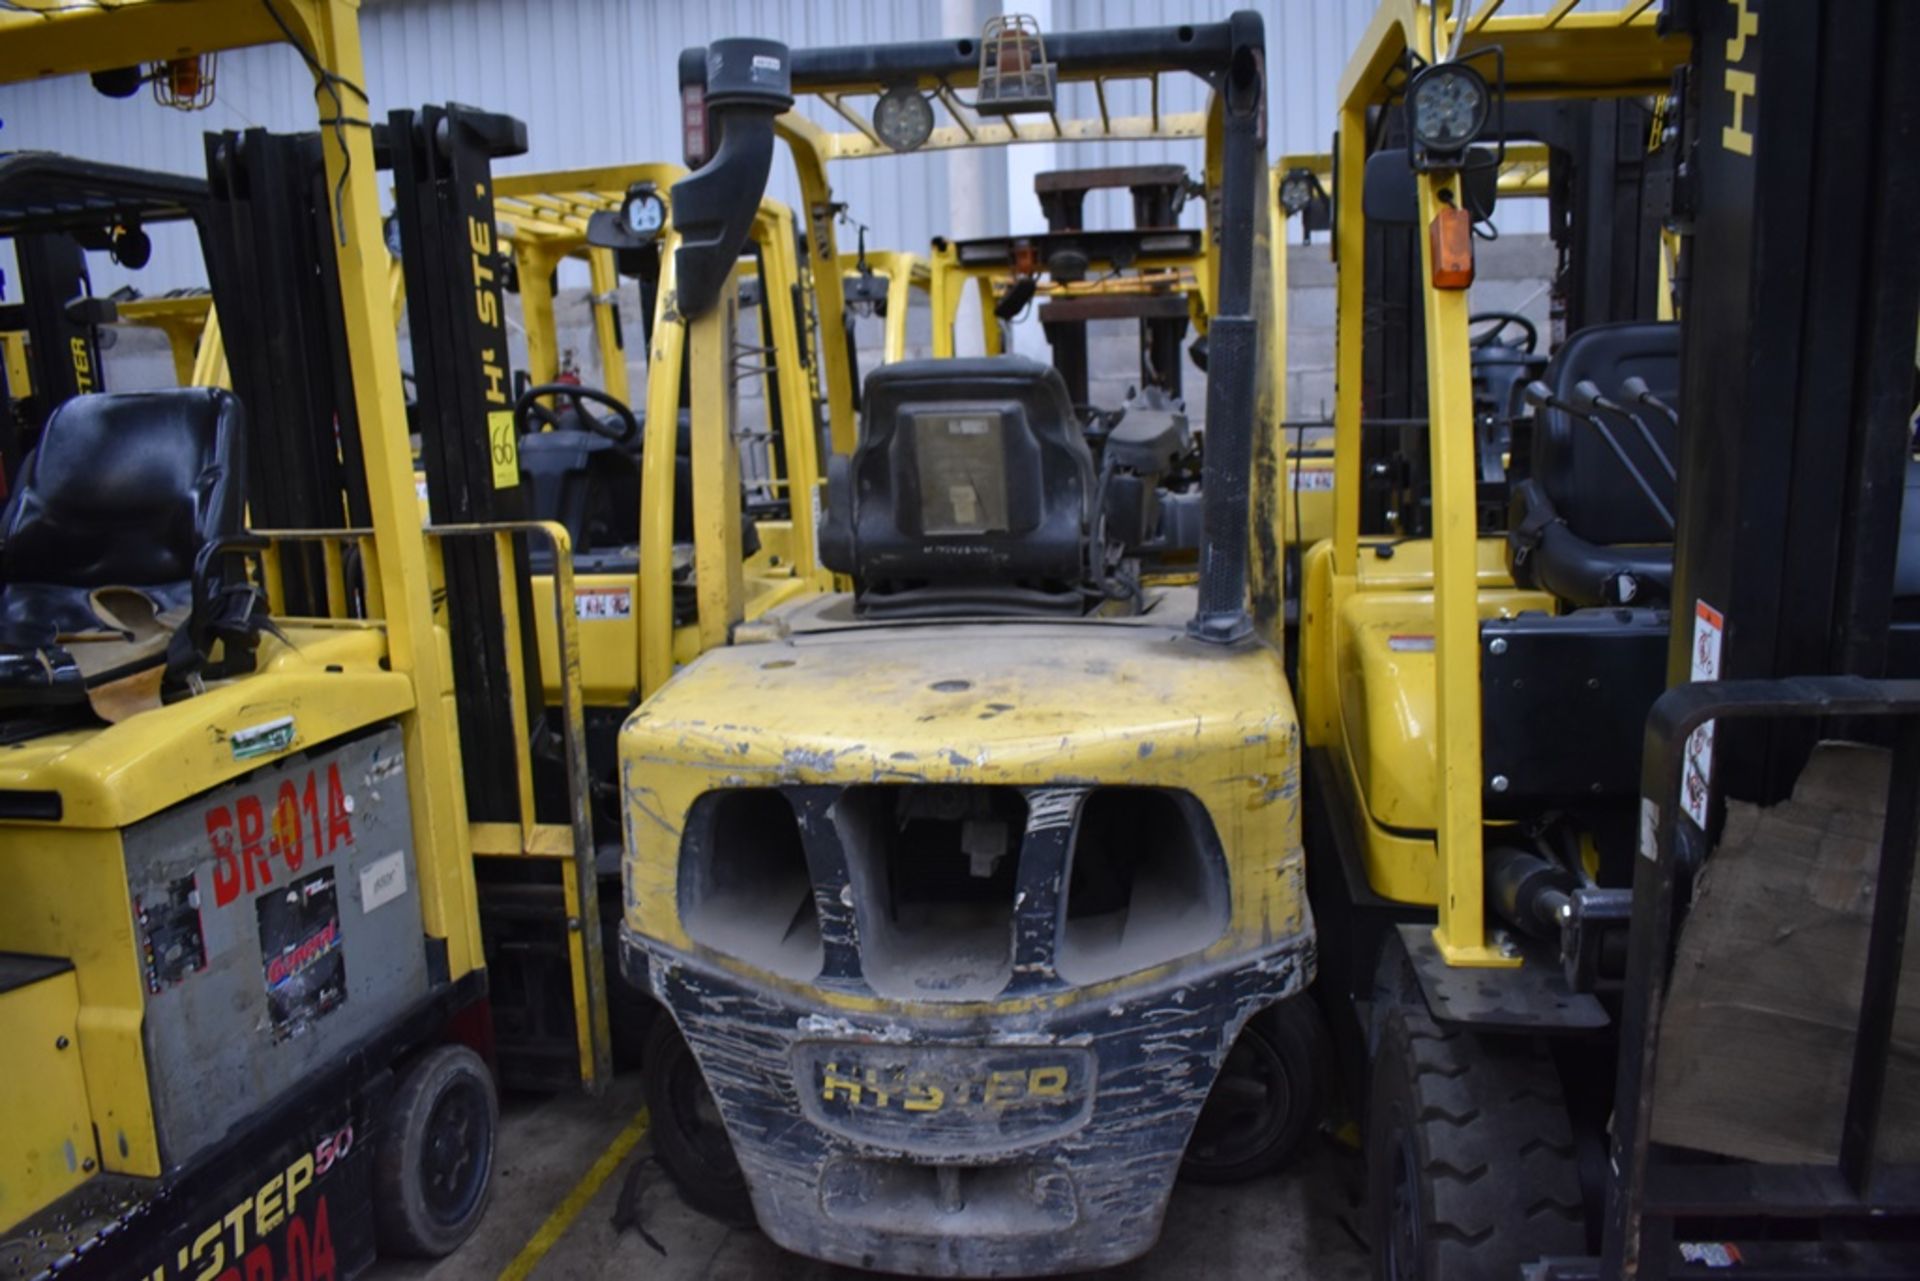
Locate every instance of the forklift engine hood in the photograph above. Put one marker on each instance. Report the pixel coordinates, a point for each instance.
(960, 921)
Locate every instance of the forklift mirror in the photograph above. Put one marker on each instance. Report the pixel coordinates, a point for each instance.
(607, 230)
(1389, 195)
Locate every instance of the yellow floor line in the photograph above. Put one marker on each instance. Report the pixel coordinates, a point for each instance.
(576, 1200)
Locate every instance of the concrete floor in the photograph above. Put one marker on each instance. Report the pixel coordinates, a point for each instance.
(1301, 1223)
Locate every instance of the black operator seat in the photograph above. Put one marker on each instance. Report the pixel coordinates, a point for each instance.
(590, 484)
(971, 491)
(127, 496)
(1581, 526)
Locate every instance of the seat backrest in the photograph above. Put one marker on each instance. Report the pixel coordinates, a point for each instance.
(558, 470)
(1594, 494)
(125, 488)
(969, 469)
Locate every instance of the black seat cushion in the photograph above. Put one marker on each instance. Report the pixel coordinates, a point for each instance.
(1595, 495)
(124, 489)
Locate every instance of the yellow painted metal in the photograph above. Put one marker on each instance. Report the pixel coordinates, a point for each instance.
(877, 703)
(511, 644)
(1350, 302)
(210, 362)
(605, 283)
(535, 262)
(653, 599)
(13, 352)
(1599, 50)
(1170, 126)
(183, 319)
(511, 840)
(716, 471)
(111, 776)
(1561, 52)
(1461, 933)
(63, 886)
(43, 1097)
(589, 1013)
(1523, 168)
(792, 380)
(433, 751)
(66, 896)
(903, 272)
(1272, 508)
(37, 41)
(811, 148)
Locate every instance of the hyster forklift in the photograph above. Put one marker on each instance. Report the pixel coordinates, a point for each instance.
(975, 893)
(1619, 986)
(242, 986)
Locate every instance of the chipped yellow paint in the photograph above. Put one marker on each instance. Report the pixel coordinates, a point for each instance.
(114, 775)
(1131, 701)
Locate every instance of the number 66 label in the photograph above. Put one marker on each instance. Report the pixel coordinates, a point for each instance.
(504, 448)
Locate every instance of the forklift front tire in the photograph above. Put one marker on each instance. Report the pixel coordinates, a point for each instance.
(1470, 1156)
(1266, 1100)
(689, 1137)
(433, 1167)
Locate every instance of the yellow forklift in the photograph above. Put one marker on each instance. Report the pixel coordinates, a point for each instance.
(1534, 535)
(242, 982)
(975, 893)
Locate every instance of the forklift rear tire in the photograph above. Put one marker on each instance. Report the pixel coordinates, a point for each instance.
(433, 1165)
(1267, 1099)
(689, 1137)
(1470, 1156)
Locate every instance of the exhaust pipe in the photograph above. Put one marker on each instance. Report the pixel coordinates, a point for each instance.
(733, 88)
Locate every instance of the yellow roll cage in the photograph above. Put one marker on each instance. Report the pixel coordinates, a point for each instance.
(1573, 50)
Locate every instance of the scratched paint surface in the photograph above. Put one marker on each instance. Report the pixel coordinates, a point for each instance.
(1031, 1128)
(1036, 1201)
(1015, 703)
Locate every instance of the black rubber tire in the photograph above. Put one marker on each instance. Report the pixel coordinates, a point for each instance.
(1470, 1155)
(689, 1137)
(1267, 1100)
(433, 1163)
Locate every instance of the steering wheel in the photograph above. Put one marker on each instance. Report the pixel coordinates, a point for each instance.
(527, 411)
(1501, 319)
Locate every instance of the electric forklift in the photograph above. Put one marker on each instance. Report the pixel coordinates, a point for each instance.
(969, 889)
(242, 979)
(1534, 536)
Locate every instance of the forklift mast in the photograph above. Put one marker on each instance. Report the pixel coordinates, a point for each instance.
(442, 169)
(270, 261)
(1798, 354)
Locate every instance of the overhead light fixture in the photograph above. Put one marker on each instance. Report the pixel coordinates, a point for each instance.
(1296, 189)
(131, 247)
(1447, 108)
(903, 118)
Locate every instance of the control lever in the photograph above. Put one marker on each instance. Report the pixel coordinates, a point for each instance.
(1637, 390)
(1586, 392)
(1541, 396)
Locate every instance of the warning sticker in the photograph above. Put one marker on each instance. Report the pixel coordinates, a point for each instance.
(306, 972)
(505, 447)
(1697, 773)
(602, 602)
(1310, 480)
